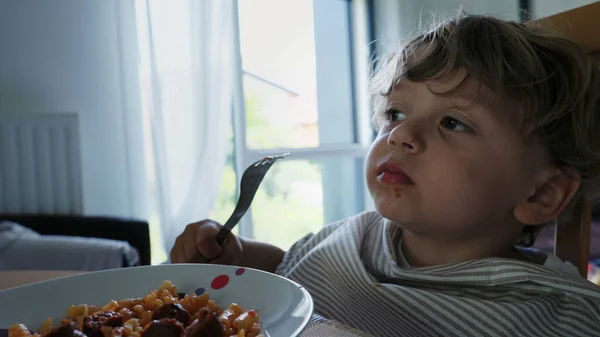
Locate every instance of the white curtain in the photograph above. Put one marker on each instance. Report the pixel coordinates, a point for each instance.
(187, 67)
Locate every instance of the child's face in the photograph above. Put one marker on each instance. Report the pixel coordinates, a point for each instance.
(451, 164)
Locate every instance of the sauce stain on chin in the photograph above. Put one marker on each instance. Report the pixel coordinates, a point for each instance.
(397, 192)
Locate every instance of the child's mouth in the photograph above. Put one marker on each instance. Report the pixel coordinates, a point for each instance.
(392, 173)
(394, 178)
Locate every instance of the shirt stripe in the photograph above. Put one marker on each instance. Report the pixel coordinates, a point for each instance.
(356, 275)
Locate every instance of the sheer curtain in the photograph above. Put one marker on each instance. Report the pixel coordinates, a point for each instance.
(187, 68)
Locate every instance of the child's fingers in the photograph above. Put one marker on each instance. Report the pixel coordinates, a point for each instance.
(184, 250)
(205, 239)
(174, 255)
(231, 252)
(177, 252)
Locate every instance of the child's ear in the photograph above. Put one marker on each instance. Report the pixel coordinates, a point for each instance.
(547, 201)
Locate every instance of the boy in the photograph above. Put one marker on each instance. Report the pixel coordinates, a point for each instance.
(487, 131)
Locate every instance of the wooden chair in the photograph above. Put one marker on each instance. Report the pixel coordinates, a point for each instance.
(572, 241)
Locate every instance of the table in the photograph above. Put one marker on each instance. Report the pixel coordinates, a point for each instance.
(9, 279)
(317, 327)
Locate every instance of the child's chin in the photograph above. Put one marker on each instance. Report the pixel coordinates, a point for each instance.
(389, 210)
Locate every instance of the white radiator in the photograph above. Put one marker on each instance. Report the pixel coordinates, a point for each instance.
(40, 165)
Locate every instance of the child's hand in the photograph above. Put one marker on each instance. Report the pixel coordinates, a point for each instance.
(198, 244)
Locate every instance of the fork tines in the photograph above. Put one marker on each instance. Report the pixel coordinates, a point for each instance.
(269, 159)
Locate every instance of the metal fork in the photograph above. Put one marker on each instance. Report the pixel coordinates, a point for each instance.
(251, 179)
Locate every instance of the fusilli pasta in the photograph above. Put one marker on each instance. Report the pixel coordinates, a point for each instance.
(160, 313)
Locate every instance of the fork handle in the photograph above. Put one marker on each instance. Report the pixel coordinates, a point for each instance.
(222, 235)
(225, 230)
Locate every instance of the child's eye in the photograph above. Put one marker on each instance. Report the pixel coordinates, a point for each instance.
(453, 124)
(393, 115)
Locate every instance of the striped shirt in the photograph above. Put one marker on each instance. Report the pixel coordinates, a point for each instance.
(351, 270)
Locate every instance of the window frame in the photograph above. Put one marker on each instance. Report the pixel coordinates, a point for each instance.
(356, 12)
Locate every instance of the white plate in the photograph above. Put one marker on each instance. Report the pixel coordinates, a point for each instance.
(284, 306)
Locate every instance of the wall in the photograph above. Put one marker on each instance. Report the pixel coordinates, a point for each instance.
(79, 56)
(543, 8)
(397, 20)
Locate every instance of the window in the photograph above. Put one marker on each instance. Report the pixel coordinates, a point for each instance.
(303, 71)
(304, 66)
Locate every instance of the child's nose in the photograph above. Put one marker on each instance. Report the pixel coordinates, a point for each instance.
(405, 137)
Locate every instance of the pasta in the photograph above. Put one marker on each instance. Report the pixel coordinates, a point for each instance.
(160, 313)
